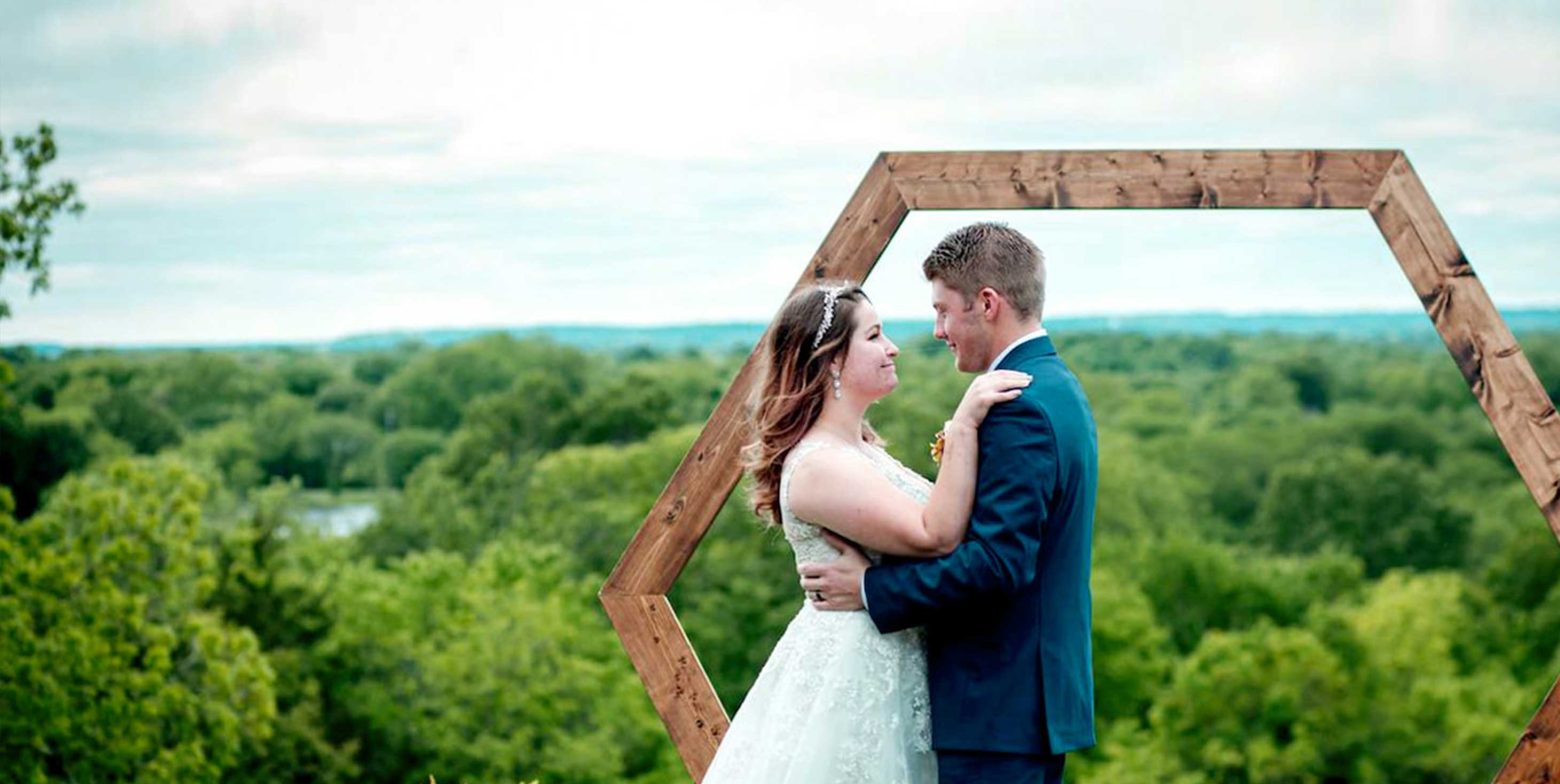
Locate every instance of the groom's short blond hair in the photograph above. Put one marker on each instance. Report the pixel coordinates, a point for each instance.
(991, 254)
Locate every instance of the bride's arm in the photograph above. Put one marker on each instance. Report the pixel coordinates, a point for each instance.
(841, 490)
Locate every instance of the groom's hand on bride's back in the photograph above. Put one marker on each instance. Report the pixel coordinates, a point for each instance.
(835, 585)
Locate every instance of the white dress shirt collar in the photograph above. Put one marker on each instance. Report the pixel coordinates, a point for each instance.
(1037, 334)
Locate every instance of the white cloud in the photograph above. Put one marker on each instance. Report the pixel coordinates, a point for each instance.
(510, 84)
(684, 157)
(1481, 167)
(160, 22)
(500, 86)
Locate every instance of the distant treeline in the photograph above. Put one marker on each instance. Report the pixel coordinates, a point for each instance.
(1410, 326)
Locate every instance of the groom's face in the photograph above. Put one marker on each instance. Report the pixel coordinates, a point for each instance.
(959, 324)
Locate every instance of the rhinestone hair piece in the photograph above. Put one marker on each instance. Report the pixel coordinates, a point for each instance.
(829, 296)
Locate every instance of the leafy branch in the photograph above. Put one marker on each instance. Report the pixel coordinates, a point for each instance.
(28, 205)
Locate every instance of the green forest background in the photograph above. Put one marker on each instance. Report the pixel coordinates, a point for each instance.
(1314, 562)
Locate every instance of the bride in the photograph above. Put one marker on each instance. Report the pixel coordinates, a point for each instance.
(837, 701)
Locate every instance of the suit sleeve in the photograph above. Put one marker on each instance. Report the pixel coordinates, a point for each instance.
(1001, 552)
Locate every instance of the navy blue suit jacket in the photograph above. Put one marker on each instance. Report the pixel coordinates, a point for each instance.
(1008, 613)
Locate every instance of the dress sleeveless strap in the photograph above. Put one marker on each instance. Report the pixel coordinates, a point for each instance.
(792, 460)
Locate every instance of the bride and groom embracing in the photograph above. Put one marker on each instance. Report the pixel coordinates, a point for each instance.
(946, 632)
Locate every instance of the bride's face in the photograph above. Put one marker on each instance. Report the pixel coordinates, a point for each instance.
(868, 372)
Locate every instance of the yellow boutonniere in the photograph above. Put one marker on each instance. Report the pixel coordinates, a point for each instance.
(937, 447)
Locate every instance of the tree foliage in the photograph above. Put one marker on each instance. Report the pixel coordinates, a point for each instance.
(1314, 561)
(510, 654)
(28, 205)
(1381, 508)
(114, 670)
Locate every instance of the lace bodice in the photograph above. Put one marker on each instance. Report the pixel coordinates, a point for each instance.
(837, 702)
(806, 538)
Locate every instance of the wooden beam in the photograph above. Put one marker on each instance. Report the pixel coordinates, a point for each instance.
(672, 675)
(692, 497)
(1139, 179)
(1491, 361)
(862, 231)
(1536, 759)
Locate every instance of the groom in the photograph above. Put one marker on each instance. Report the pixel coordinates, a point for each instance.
(1007, 614)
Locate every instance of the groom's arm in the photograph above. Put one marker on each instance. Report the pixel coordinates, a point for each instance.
(1001, 554)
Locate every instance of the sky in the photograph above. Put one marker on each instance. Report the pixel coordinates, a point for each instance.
(300, 170)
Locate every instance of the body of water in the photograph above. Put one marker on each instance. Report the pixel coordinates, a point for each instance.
(343, 520)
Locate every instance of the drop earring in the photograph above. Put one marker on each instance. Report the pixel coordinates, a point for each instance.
(835, 372)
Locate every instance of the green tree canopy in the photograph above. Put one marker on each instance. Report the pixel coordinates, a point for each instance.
(513, 657)
(1382, 508)
(433, 388)
(112, 670)
(1261, 705)
(1198, 585)
(1132, 651)
(1424, 652)
(275, 576)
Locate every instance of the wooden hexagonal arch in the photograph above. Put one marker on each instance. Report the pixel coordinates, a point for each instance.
(1381, 181)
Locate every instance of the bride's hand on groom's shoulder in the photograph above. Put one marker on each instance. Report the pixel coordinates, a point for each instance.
(987, 390)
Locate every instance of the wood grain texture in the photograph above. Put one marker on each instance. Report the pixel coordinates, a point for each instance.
(1536, 759)
(858, 237)
(672, 674)
(1139, 179)
(1487, 354)
(692, 497)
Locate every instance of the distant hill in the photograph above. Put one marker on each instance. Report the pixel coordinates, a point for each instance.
(1405, 326)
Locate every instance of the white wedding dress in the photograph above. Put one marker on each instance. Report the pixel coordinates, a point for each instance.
(837, 702)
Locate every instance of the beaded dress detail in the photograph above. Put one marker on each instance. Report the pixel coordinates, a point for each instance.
(837, 702)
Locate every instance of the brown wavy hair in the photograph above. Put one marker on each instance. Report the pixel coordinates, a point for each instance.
(790, 394)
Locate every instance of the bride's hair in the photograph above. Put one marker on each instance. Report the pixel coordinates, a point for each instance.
(790, 393)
